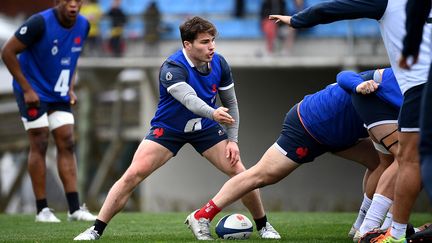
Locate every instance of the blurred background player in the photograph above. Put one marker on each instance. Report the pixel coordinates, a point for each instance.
(93, 13)
(325, 121)
(118, 21)
(190, 80)
(391, 16)
(49, 44)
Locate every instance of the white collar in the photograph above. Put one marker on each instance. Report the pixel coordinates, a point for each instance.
(187, 58)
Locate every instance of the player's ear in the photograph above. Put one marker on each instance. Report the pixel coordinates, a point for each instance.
(187, 44)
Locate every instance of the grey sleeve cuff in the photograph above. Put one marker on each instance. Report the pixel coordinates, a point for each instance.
(229, 100)
(186, 95)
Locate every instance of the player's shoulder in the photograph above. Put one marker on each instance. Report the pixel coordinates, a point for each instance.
(173, 68)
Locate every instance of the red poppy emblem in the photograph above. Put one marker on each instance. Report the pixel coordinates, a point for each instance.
(214, 88)
(158, 132)
(301, 152)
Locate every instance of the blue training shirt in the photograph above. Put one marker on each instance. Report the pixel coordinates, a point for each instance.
(388, 89)
(51, 56)
(173, 115)
(329, 116)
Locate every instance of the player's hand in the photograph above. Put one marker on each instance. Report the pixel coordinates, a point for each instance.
(281, 18)
(367, 87)
(232, 153)
(221, 116)
(31, 99)
(406, 62)
(73, 97)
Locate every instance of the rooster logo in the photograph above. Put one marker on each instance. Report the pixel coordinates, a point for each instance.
(301, 152)
(77, 40)
(158, 132)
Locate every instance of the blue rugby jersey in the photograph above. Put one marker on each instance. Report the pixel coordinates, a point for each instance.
(388, 90)
(329, 116)
(173, 115)
(50, 59)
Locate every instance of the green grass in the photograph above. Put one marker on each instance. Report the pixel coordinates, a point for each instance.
(169, 227)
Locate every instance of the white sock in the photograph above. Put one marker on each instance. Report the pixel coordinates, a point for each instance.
(387, 222)
(376, 213)
(398, 230)
(362, 212)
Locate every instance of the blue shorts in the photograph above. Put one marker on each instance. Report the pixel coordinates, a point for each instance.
(373, 110)
(43, 107)
(297, 144)
(409, 116)
(201, 140)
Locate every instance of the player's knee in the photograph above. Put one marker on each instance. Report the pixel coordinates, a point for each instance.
(237, 169)
(66, 145)
(39, 143)
(407, 157)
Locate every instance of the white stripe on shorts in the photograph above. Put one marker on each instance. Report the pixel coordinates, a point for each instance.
(280, 149)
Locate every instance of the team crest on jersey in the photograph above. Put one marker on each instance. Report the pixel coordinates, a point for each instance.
(23, 30)
(220, 132)
(168, 76)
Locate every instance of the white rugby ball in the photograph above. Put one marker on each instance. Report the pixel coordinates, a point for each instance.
(234, 227)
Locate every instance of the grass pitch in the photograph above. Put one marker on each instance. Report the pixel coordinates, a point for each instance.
(169, 227)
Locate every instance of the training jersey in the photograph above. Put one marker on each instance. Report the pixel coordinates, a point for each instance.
(51, 56)
(391, 16)
(173, 115)
(388, 89)
(329, 116)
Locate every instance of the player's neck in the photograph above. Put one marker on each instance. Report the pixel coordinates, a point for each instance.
(66, 23)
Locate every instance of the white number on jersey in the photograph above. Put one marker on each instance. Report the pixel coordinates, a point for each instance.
(193, 125)
(62, 84)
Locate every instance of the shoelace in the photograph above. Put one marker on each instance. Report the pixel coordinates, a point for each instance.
(204, 227)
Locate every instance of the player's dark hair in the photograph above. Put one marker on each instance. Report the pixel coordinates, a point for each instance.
(190, 29)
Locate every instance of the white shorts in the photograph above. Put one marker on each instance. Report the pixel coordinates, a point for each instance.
(52, 121)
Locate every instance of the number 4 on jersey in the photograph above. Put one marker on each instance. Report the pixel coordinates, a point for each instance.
(62, 84)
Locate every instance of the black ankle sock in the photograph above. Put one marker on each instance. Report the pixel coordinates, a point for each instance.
(261, 223)
(72, 200)
(99, 226)
(41, 204)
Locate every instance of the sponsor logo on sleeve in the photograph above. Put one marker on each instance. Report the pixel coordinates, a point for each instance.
(168, 76)
(23, 30)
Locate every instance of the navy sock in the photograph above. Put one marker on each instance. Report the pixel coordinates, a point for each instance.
(99, 226)
(72, 200)
(261, 222)
(41, 204)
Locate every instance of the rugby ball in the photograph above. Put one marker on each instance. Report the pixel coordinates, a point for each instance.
(234, 227)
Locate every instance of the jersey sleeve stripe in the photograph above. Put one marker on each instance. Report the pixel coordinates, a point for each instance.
(175, 85)
(226, 87)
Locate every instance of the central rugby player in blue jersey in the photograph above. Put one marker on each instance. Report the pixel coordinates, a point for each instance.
(190, 81)
(42, 57)
(322, 122)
